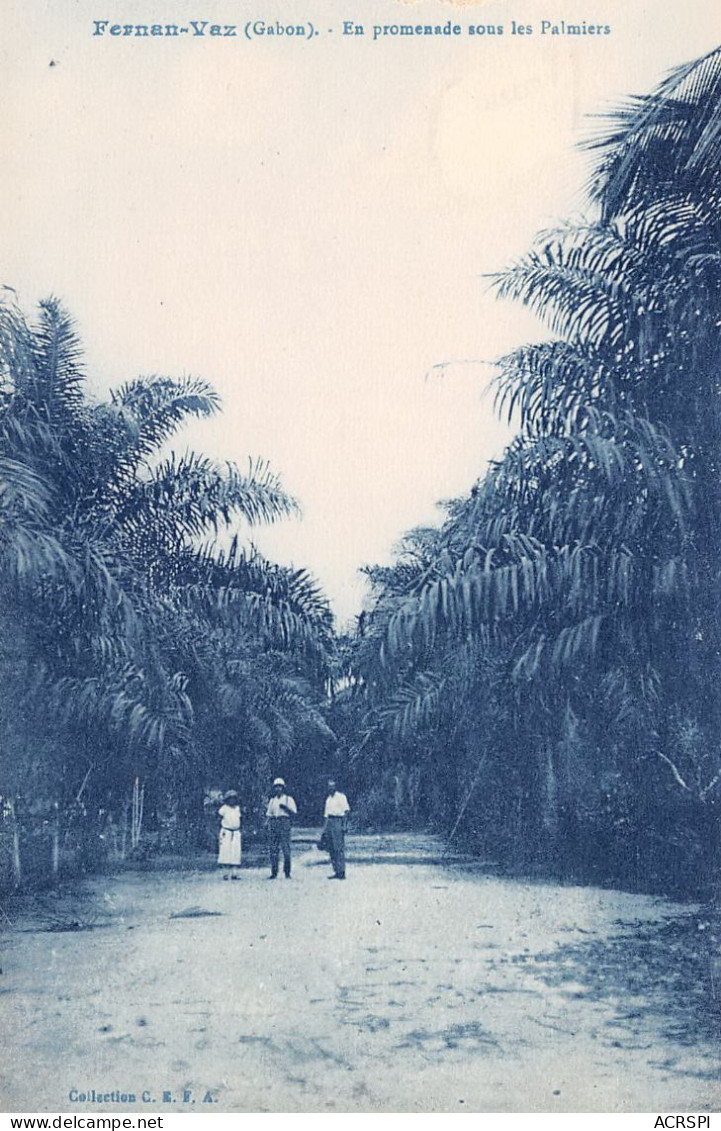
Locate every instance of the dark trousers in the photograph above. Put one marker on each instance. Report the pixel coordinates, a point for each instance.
(279, 840)
(336, 845)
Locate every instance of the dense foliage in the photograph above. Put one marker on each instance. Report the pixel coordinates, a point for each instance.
(140, 637)
(541, 673)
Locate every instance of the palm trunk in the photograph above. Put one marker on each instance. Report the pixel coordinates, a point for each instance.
(550, 792)
(137, 815)
(124, 838)
(17, 866)
(56, 842)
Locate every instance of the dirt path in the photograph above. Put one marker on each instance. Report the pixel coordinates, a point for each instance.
(413, 986)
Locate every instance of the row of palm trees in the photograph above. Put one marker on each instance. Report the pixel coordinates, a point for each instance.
(537, 676)
(551, 654)
(141, 638)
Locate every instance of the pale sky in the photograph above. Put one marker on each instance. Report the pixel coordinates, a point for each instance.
(307, 224)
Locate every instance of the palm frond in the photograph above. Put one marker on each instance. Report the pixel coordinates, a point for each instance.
(59, 378)
(154, 408)
(668, 138)
(414, 705)
(187, 496)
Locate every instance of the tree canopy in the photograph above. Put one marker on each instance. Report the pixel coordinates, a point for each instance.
(142, 634)
(563, 622)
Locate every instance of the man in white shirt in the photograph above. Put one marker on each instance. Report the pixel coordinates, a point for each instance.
(335, 814)
(281, 808)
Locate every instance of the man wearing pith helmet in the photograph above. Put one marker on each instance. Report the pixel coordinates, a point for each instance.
(281, 808)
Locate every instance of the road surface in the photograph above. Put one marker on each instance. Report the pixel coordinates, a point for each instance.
(416, 985)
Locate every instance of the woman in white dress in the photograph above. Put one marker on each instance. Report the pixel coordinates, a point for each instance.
(229, 837)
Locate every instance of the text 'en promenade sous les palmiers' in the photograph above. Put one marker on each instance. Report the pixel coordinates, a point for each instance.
(348, 29)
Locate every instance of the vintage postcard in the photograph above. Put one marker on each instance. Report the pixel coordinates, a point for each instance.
(359, 522)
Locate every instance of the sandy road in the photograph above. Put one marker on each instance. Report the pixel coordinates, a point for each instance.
(413, 986)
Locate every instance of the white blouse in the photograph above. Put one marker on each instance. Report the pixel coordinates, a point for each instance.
(229, 816)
